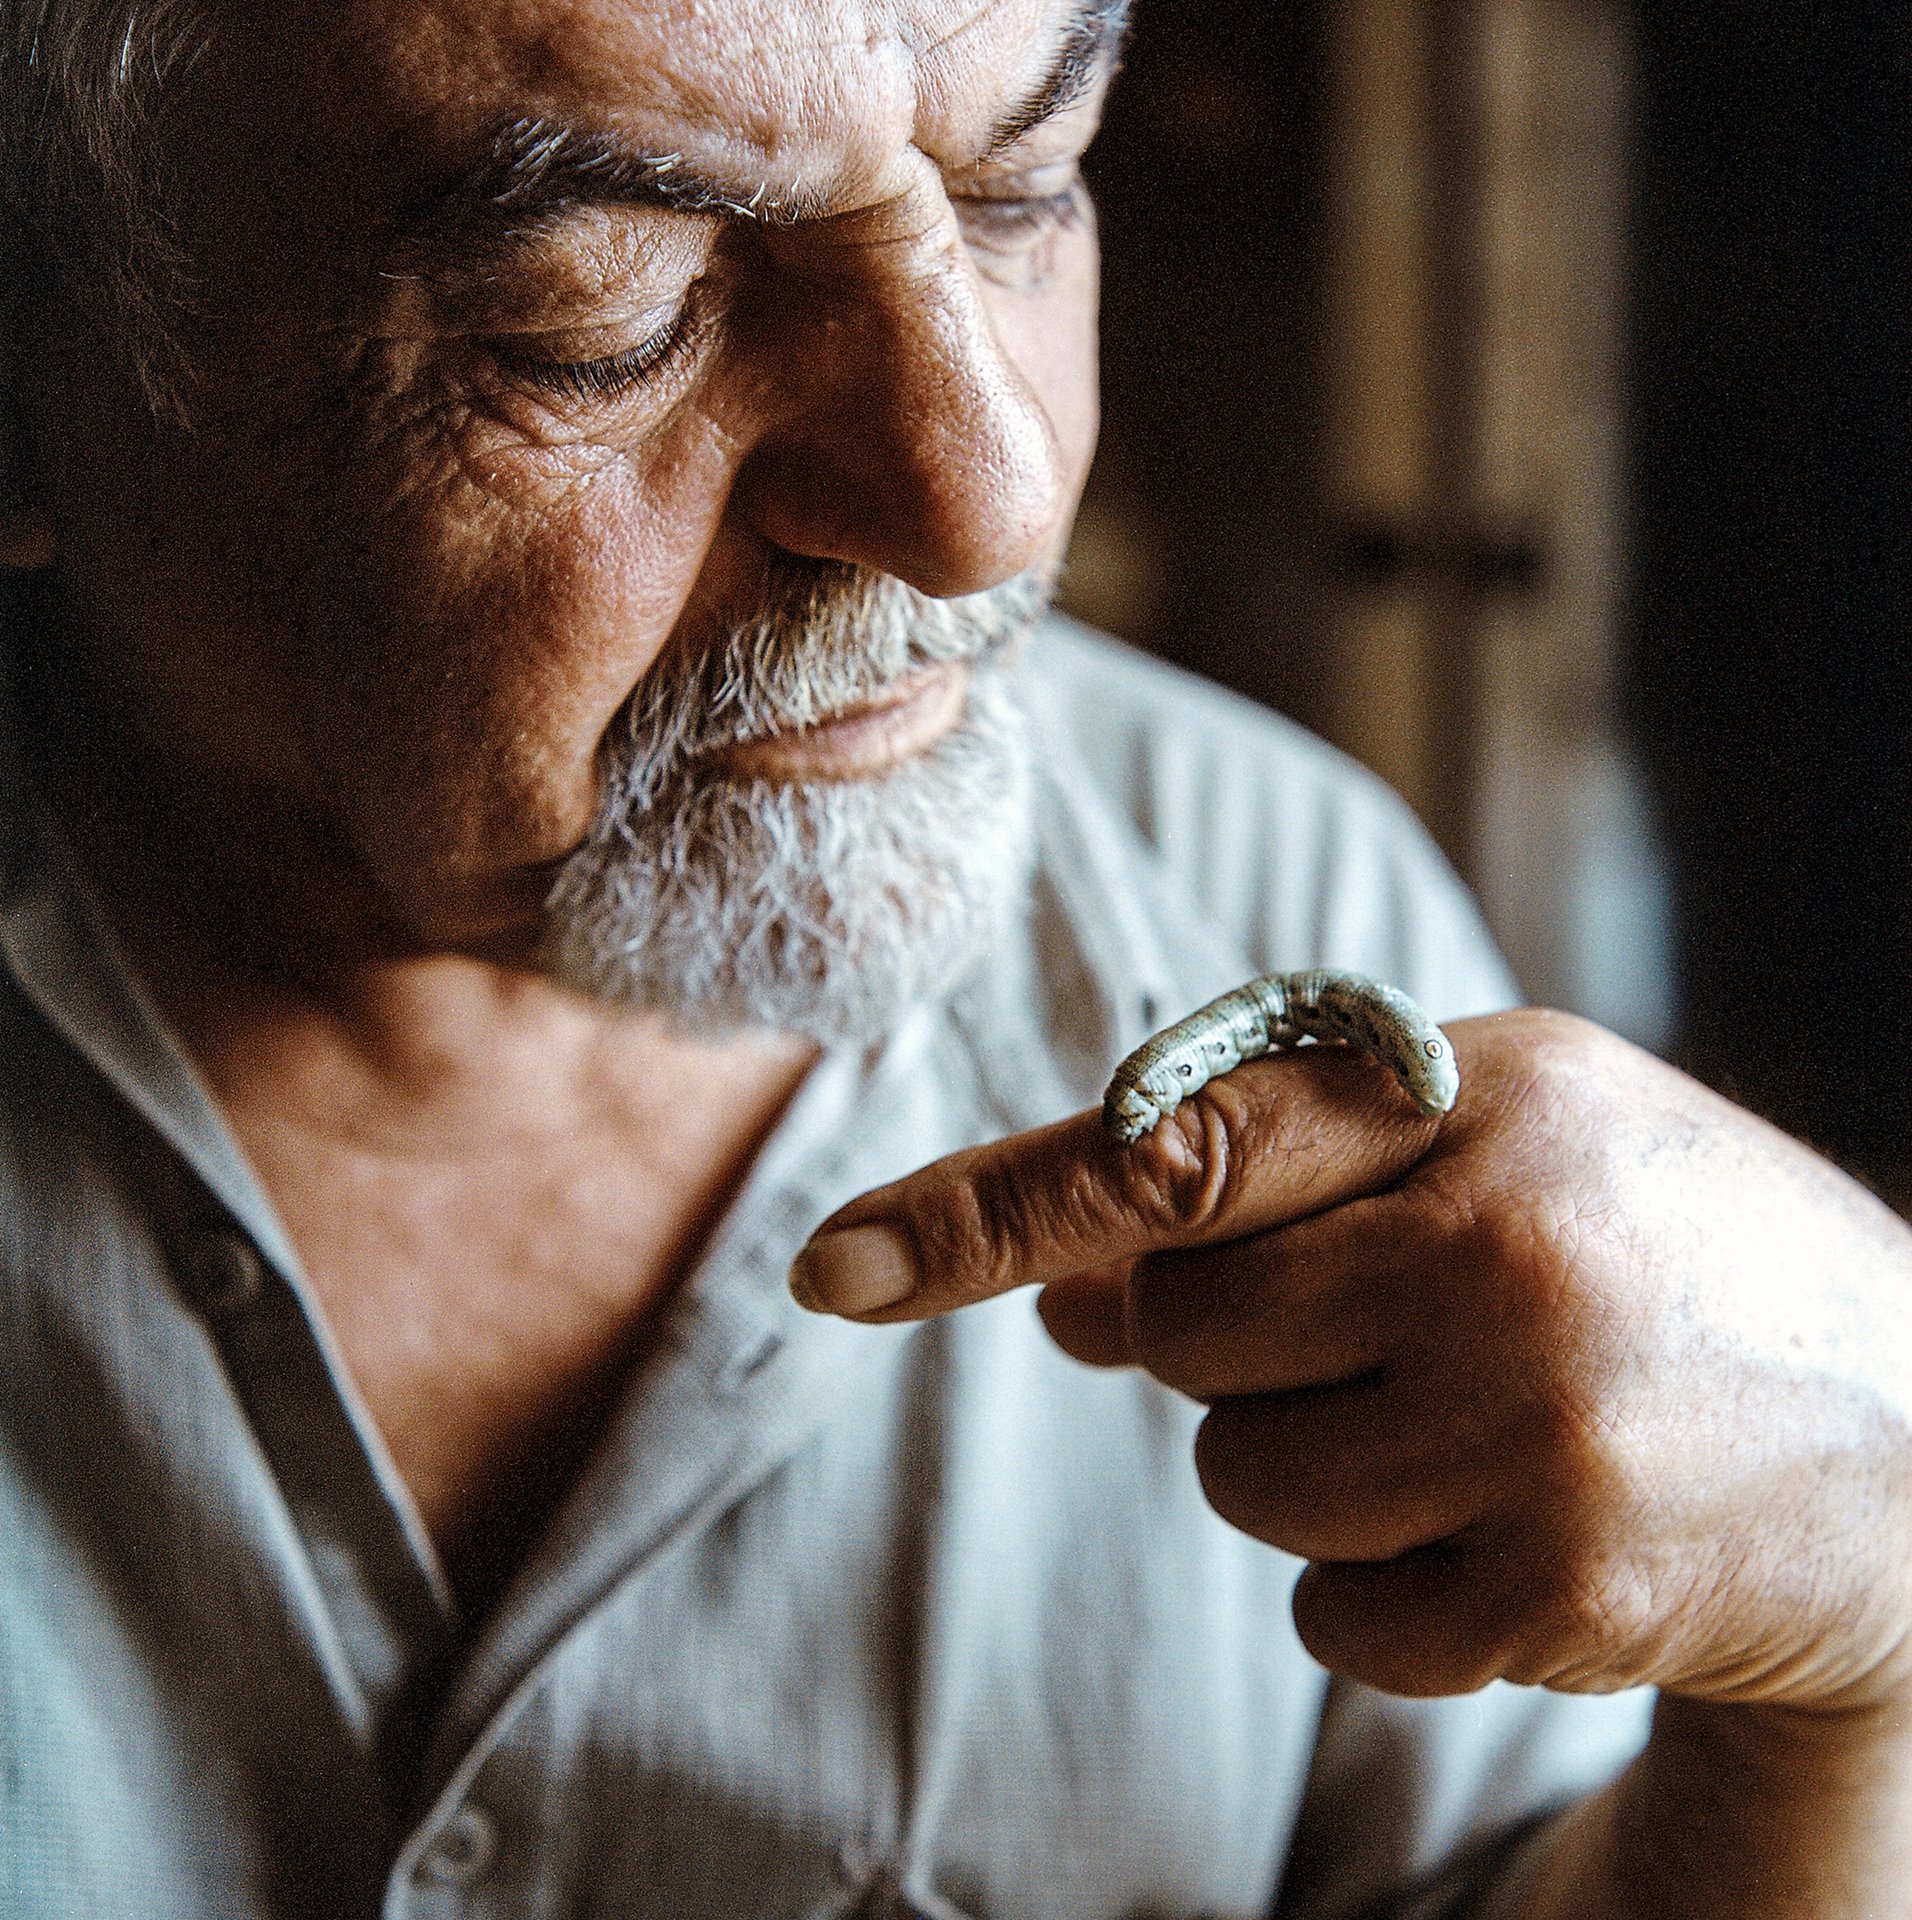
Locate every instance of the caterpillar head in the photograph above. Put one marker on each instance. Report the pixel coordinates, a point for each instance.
(1145, 1090)
(1128, 1113)
(1438, 1077)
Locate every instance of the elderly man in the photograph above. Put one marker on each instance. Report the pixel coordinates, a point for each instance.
(540, 772)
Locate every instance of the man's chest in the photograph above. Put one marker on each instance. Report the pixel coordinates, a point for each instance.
(486, 1307)
(484, 1317)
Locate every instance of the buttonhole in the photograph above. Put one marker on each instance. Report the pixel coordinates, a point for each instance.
(746, 1367)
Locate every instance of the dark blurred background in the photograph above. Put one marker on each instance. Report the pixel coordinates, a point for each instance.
(1517, 392)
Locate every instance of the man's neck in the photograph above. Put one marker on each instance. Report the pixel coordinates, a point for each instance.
(442, 1057)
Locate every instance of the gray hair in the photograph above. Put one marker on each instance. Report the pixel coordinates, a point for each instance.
(82, 86)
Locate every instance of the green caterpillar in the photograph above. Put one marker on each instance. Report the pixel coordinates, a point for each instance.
(1267, 1015)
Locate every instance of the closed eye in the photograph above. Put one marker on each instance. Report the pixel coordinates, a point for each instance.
(607, 376)
(1003, 221)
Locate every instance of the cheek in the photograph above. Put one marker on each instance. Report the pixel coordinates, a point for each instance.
(1050, 334)
(511, 596)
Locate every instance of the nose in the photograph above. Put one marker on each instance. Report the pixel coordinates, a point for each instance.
(904, 437)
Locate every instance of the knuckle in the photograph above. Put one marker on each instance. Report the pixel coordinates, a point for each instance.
(1515, 1261)
(1566, 1464)
(1555, 1045)
(1173, 1328)
(1521, 1262)
(1402, 1626)
(1600, 1607)
(1226, 1466)
(967, 1239)
(1555, 1062)
(1570, 1598)
(1428, 1506)
(1179, 1180)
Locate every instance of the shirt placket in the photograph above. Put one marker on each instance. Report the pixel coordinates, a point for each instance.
(390, 1606)
(738, 1379)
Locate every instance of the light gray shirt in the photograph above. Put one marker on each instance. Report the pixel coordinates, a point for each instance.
(836, 1620)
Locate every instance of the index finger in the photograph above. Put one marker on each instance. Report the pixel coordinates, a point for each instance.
(1270, 1143)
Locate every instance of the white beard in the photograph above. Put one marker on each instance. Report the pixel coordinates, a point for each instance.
(825, 908)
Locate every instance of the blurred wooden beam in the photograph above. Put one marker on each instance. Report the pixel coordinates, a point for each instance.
(1474, 241)
(1379, 404)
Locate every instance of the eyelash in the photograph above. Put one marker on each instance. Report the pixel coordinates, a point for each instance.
(1012, 219)
(612, 376)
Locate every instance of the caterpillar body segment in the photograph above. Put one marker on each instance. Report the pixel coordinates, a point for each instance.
(1269, 1015)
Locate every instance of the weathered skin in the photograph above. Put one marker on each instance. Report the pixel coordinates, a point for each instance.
(1277, 1011)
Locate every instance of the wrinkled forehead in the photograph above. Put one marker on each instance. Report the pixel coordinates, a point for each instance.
(825, 94)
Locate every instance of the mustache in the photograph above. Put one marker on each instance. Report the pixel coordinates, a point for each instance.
(824, 636)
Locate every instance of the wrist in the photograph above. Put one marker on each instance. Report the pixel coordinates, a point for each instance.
(1777, 1810)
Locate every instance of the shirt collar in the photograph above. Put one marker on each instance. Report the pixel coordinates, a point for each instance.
(60, 948)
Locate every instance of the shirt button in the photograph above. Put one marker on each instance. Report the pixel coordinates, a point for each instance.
(462, 1853)
(225, 1272)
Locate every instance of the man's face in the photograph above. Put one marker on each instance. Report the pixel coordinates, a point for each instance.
(541, 339)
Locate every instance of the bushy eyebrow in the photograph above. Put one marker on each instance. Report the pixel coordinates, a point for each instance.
(1092, 46)
(535, 168)
(538, 168)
